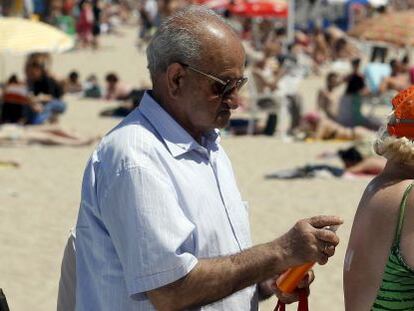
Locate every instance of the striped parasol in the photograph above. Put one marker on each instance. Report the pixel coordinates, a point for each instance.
(396, 28)
(22, 36)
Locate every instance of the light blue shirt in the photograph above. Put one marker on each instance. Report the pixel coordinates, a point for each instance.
(154, 201)
(374, 74)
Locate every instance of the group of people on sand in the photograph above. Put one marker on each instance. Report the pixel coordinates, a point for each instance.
(30, 109)
(38, 99)
(277, 70)
(343, 117)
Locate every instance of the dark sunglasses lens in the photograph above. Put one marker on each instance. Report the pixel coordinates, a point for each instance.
(233, 85)
(228, 88)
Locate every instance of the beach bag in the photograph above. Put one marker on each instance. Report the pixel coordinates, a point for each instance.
(302, 304)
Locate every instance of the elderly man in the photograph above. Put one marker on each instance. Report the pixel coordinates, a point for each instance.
(161, 223)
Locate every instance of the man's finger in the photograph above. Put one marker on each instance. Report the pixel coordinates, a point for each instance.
(323, 259)
(307, 280)
(329, 250)
(284, 297)
(323, 221)
(327, 236)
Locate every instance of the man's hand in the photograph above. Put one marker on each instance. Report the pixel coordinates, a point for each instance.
(269, 288)
(309, 241)
(215, 278)
(294, 296)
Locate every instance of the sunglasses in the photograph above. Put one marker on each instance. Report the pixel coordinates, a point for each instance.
(223, 88)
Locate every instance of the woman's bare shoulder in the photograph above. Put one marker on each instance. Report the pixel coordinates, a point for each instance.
(382, 197)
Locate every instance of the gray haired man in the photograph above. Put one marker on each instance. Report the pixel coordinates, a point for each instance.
(162, 224)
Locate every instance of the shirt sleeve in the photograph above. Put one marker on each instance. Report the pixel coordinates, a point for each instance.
(150, 232)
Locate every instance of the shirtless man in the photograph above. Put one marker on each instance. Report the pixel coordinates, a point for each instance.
(326, 101)
(399, 79)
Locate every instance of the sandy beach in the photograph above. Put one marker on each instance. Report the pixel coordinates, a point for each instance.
(40, 199)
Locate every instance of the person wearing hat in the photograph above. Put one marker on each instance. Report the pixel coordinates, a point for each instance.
(379, 263)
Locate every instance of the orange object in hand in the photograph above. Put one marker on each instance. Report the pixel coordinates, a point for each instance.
(290, 279)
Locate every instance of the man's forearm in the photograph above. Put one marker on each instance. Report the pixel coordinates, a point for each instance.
(214, 279)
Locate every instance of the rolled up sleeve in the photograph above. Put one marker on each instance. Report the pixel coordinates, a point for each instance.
(150, 232)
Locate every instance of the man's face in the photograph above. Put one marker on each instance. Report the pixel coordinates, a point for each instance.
(202, 105)
(332, 81)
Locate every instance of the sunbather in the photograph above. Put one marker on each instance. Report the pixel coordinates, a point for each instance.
(11, 134)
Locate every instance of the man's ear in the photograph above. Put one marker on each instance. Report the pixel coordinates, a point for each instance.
(175, 74)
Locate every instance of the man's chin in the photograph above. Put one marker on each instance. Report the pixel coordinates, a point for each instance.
(223, 119)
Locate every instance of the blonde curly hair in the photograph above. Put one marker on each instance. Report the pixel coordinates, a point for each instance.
(400, 149)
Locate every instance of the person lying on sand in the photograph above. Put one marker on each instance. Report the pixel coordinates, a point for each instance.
(314, 126)
(11, 134)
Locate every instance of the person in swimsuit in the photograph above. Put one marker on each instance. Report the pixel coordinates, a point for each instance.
(379, 263)
(45, 134)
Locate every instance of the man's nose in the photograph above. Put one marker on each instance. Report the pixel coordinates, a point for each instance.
(234, 100)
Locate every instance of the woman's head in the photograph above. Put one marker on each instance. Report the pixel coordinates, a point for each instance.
(395, 141)
(37, 66)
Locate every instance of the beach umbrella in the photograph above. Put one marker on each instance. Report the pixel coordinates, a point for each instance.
(260, 8)
(22, 36)
(396, 28)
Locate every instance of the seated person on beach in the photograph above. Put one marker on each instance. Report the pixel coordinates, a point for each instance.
(72, 84)
(116, 89)
(344, 50)
(379, 262)
(315, 126)
(47, 91)
(327, 101)
(16, 101)
(399, 79)
(92, 88)
(350, 106)
(320, 52)
(45, 134)
(278, 83)
(377, 70)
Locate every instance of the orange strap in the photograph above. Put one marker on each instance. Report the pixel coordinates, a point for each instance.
(302, 306)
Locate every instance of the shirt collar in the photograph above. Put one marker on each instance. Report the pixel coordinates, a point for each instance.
(175, 137)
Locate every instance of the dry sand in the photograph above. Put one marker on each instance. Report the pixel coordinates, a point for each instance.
(39, 200)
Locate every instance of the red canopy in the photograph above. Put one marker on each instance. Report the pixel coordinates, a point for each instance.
(260, 8)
